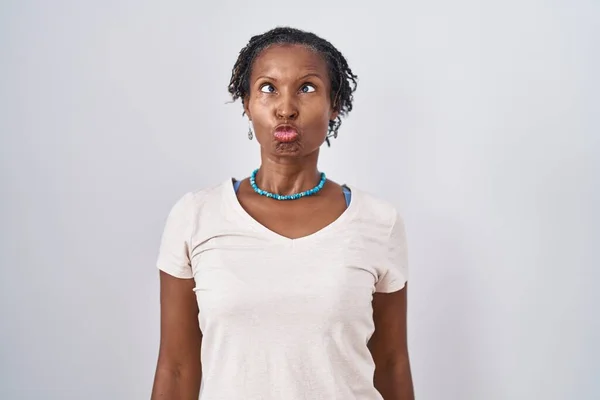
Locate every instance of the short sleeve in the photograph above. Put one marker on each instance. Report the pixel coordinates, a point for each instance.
(395, 273)
(173, 256)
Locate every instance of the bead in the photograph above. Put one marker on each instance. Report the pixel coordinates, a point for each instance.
(293, 196)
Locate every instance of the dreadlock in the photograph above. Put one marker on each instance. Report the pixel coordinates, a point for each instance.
(343, 81)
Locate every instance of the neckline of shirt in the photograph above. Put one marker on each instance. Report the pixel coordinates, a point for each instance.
(348, 213)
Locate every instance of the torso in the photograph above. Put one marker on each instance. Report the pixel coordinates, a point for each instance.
(285, 290)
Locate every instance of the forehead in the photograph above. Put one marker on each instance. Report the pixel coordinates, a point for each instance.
(289, 60)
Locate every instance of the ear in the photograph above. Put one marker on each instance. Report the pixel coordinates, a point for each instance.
(335, 110)
(334, 114)
(246, 109)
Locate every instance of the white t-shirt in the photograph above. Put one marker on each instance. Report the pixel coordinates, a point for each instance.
(284, 319)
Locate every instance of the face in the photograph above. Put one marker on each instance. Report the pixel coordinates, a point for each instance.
(289, 100)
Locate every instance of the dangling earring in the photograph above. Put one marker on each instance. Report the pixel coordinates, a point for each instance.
(332, 132)
(250, 134)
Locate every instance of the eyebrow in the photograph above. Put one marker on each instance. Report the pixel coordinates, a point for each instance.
(312, 74)
(268, 78)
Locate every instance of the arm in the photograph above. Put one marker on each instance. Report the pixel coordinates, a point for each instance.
(389, 348)
(178, 371)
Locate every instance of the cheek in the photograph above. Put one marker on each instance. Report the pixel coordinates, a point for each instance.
(318, 109)
(321, 118)
(259, 110)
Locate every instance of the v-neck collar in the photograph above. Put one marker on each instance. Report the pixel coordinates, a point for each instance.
(231, 196)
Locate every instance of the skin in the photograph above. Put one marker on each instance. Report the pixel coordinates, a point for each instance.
(288, 84)
(178, 371)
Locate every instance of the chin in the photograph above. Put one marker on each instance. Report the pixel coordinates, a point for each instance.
(290, 149)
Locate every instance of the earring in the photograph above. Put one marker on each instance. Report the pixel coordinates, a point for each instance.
(250, 134)
(333, 129)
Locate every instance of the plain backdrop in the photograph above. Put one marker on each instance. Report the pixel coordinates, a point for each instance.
(478, 120)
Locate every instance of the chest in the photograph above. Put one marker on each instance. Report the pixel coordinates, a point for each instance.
(295, 219)
(245, 280)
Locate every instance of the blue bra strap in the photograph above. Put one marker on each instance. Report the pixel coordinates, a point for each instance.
(347, 194)
(345, 189)
(236, 185)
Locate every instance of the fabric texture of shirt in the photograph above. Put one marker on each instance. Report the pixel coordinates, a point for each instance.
(284, 319)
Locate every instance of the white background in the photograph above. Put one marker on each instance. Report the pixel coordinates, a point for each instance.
(479, 120)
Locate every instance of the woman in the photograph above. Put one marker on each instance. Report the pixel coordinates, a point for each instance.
(285, 285)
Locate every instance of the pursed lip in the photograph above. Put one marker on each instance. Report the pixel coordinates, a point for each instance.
(286, 127)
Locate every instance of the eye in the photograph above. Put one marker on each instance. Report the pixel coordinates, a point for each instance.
(267, 88)
(308, 88)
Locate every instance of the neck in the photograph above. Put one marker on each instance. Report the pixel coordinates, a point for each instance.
(285, 177)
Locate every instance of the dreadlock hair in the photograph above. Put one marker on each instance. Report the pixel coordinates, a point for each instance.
(343, 81)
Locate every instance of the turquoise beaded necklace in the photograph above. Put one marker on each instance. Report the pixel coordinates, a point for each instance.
(294, 196)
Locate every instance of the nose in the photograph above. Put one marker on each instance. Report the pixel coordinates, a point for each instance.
(286, 107)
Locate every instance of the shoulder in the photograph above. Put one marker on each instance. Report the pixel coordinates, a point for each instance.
(193, 200)
(377, 209)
